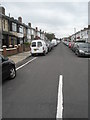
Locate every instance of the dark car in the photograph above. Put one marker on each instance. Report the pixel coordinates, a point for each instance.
(83, 49)
(74, 44)
(7, 68)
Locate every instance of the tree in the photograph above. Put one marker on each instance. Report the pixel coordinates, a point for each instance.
(50, 36)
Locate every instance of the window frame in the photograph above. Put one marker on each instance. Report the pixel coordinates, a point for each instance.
(38, 45)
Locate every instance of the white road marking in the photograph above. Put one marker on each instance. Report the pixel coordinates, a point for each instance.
(26, 63)
(59, 113)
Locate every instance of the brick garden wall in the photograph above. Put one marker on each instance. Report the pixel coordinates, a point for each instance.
(15, 50)
(11, 51)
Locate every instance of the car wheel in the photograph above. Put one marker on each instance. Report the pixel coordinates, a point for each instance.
(48, 49)
(32, 54)
(12, 73)
(77, 53)
(44, 53)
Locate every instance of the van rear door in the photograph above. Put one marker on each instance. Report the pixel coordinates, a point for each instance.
(39, 45)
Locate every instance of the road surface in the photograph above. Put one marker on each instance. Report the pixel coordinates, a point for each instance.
(34, 91)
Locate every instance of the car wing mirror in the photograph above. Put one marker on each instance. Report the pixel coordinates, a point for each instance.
(5, 59)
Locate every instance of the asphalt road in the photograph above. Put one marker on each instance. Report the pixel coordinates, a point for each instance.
(34, 92)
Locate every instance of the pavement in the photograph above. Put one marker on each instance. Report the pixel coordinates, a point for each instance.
(34, 91)
(20, 56)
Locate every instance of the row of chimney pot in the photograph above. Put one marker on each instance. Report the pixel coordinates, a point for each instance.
(2, 11)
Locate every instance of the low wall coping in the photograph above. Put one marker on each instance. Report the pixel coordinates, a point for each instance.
(4, 46)
(19, 45)
(15, 45)
(1, 50)
(11, 48)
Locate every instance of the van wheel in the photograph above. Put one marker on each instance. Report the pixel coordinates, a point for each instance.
(33, 54)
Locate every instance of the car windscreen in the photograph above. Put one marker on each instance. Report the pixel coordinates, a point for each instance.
(85, 45)
(39, 44)
(33, 44)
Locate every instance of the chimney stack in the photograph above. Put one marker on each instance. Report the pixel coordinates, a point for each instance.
(29, 24)
(2, 10)
(36, 28)
(85, 28)
(88, 26)
(20, 19)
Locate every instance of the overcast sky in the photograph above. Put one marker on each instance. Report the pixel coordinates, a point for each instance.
(56, 17)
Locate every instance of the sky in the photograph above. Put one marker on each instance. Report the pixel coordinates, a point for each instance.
(60, 18)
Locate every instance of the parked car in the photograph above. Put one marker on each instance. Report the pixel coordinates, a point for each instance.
(54, 42)
(38, 47)
(49, 45)
(69, 44)
(8, 68)
(58, 41)
(66, 42)
(83, 49)
(73, 44)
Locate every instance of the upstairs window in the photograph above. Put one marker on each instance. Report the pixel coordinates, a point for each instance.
(4, 24)
(14, 27)
(20, 29)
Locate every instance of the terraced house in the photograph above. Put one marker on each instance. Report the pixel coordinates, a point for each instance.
(82, 34)
(15, 32)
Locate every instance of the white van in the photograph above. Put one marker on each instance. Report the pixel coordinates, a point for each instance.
(38, 47)
(54, 42)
